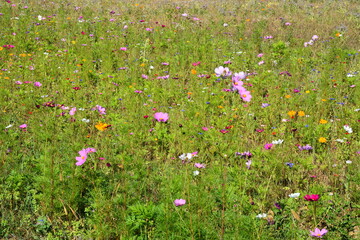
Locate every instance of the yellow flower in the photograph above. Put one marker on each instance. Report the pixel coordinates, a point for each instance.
(102, 126)
(1, 48)
(322, 140)
(307, 91)
(301, 113)
(324, 100)
(323, 121)
(291, 113)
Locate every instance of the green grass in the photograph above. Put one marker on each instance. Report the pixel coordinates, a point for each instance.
(127, 188)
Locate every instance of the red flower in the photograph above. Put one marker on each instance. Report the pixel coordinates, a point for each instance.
(312, 198)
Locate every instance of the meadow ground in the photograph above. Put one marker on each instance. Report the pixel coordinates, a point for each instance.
(179, 119)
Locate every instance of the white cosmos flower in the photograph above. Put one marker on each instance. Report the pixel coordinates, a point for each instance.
(294, 195)
(348, 129)
(279, 141)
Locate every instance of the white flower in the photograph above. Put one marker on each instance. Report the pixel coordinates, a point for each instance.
(261, 215)
(358, 109)
(225, 24)
(195, 173)
(340, 140)
(348, 162)
(294, 195)
(9, 126)
(151, 67)
(40, 17)
(186, 156)
(85, 120)
(279, 141)
(348, 129)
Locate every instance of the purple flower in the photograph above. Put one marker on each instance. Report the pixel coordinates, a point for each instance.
(179, 202)
(264, 105)
(161, 117)
(318, 233)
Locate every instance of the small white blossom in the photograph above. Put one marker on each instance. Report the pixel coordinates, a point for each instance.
(85, 120)
(348, 129)
(348, 162)
(9, 126)
(261, 215)
(294, 195)
(279, 141)
(195, 173)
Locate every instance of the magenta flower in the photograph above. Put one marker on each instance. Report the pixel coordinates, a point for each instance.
(23, 126)
(318, 233)
(161, 117)
(37, 84)
(268, 146)
(123, 48)
(179, 202)
(312, 198)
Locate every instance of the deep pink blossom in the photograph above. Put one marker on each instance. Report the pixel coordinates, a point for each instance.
(312, 198)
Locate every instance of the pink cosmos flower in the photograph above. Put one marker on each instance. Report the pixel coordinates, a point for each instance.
(199, 165)
(312, 198)
(318, 233)
(37, 84)
(245, 95)
(196, 63)
(222, 72)
(72, 111)
(23, 126)
(204, 128)
(81, 160)
(123, 48)
(260, 55)
(161, 117)
(18, 82)
(179, 202)
(240, 75)
(89, 150)
(261, 63)
(144, 76)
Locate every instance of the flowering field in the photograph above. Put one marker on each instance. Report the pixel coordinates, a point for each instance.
(179, 119)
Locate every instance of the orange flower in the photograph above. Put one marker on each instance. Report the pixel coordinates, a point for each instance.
(193, 71)
(287, 96)
(301, 113)
(102, 126)
(291, 113)
(322, 121)
(322, 140)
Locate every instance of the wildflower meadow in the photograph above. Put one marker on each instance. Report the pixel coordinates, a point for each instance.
(205, 119)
